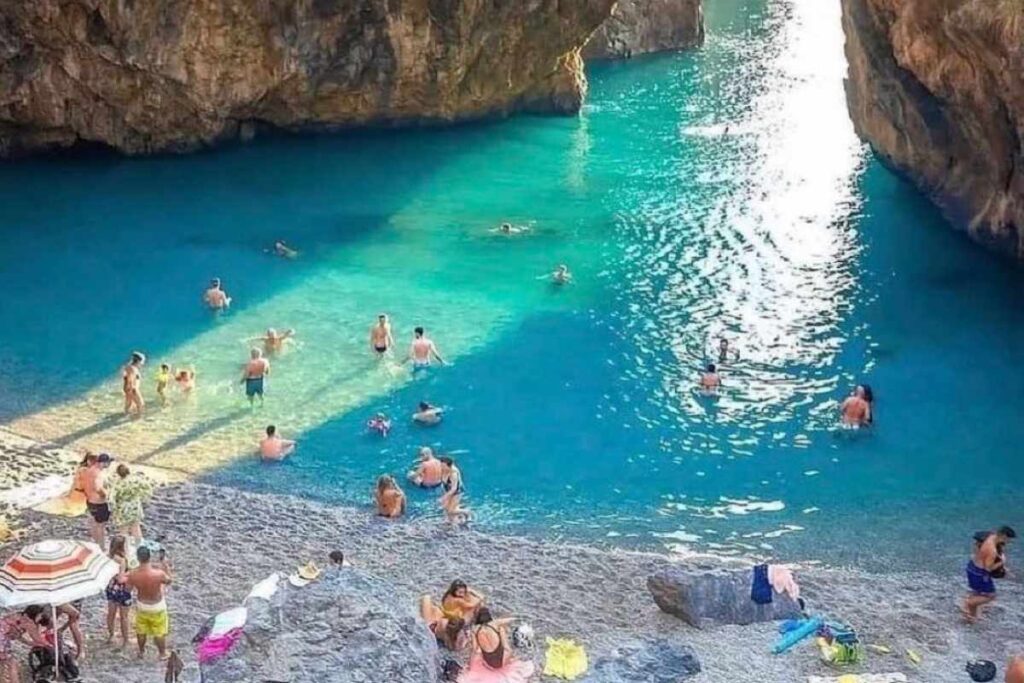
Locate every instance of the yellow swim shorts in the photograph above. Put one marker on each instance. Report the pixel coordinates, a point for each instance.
(155, 624)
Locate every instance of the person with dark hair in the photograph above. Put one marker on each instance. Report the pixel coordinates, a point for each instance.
(423, 351)
(131, 385)
(151, 618)
(215, 297)
(96, 499)
(388, 497)
(16, 627)
(427, 414)
(449, 631)
(452, 484)
(461, 602)
(381, 340)
(710, 380)
(987, 563)
(119, 596)
(337, 558)
(273, 447)
(492, 652)
(856, 410)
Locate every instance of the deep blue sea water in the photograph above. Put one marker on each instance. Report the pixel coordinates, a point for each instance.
(715, 193)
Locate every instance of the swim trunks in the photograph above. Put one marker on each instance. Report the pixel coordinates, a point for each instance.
(253, 386)
(100, 512)
(150, 622)
(980, 580)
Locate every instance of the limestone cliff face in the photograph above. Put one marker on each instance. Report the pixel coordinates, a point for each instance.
(642, 26)
(173, 75)
(937, 88)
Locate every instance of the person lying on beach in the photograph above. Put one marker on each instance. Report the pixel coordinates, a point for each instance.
(710, 380)
(492, 652)
(429, 472)
(273, 341)
(449, 632)
(186, 380)
(561, 276)
(215, 297)
(283, 250)
(389, 498)
(461, 602)
(273, 447)
(987, 563)
(855, 411)
(428, 414)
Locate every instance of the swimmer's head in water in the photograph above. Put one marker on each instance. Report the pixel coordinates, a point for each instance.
(424, 406)
(426, 453)
(336, 557)
(866, 393)
(215, 283)
(723, 344)
(138, 358)
(418, 332)
(711, 367)
(271, 430)
(446, 461)
(271, 332)
(562, 268)
(506, 227)
(255, 353)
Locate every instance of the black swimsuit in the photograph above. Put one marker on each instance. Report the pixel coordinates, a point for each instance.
(495, 659)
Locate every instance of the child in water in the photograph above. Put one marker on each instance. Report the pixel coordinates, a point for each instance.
(163, 378)
(186, 380)
(379, 423)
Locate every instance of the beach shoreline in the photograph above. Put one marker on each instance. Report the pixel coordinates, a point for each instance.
(224, 540)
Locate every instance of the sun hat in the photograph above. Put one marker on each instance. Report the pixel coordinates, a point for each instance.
(305, 575)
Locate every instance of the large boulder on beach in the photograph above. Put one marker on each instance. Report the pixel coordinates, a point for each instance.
(348, 627)
(652, 660)
(709, 597)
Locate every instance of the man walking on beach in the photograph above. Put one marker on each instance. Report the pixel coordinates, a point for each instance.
(988, 563)
(93, 485)
(151, 618)
(253, 375)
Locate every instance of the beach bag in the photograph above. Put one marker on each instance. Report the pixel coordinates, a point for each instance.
(450, 670)
(981, 670)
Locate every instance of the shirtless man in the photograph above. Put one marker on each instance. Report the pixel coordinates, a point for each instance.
(131, 380)
(381, 340)
(93, 484)
(273, 447)
(273, 341)
(253, 375)
(1015, 670)
(151, 618)
(429, 472)
(423, 350)
(855, 410)
(987, 563)
(215, 297)
(710, 380)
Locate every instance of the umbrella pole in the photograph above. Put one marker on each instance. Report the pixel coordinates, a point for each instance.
(56, 646)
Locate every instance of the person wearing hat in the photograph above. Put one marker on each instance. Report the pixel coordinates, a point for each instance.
(215, 297)
(94, 485)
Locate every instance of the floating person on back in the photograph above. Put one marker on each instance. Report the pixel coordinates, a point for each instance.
(254, 374)
(379, 423)
(423, 350)
(381, 340)
(274, 341)
(273, 447)
(389, 498)
(428, 415)
(429, 473)
(561, 276)
(710, 380)
(987, 563)
(215, 297)
(856, 410)
(163, 378)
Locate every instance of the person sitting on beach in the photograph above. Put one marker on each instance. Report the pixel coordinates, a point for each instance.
(274, 341)
(381, 340)
(710, 380)
(131, 377)
(46, 650)
(273, 447)
(987, 563)
(389, 498)
(151, 617)
(128, 492)
(855, 411)
(428, 414)
(186, 380)
(423, 350)
(561, 276)
(254, 374)
(429, 472)
(492, 652)
(119, 596)
(283, 250)
(461, 602)
(72, 622)
(451, 499)
(450, 633)
(16, 627)
(215, 297)
(379, 423)
(93, 482)
(163, 378)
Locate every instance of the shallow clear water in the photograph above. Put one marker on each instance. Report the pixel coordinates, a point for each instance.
(720, 192)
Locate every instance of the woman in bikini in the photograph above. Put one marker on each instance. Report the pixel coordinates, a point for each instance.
(461, 602)
(119, 596)
(451, 499)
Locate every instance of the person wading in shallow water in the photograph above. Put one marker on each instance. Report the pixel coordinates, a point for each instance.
(131, 378)
(254, 374)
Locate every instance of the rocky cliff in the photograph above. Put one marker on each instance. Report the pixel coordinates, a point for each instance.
(642, 26)
(937, 88)
(143, 76)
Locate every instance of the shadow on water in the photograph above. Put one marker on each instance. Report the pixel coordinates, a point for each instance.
(194, 433)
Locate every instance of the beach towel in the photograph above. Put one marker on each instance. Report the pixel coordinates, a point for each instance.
(782, 581)
(860, 678)
(65, 505)
(565, 659)
(760, 588)
(228, 621)
(515, 671)
(265, 589)
(215, 647)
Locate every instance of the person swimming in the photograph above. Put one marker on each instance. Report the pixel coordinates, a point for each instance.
(163, 378)
(856, 410)
(186, 380)
(379, 423)
(215, 297)
(561, 276)
(274, 341)
(283, 250)
(381, 340)
(710, 380)
(429, 473)
(423, 350)
(273, 447)
(509, 229)
(428, 414)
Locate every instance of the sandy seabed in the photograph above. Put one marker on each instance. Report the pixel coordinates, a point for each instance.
(222, 541)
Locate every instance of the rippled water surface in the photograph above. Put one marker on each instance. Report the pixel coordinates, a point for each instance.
(716, 193)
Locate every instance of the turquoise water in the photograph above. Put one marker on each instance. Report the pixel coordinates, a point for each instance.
(720, 192)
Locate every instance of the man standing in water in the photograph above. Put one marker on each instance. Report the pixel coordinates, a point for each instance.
(93, 485)
(423, 350)
(381, 340)
(215, 297)
(254, 374)
(987, 563)
(856, 409)
(151, 618)
(131, 378)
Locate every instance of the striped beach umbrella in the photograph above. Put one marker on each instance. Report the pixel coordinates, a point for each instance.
(54, 573)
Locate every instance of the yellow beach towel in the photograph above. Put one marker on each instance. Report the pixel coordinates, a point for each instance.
(66, 505)
(565, 659)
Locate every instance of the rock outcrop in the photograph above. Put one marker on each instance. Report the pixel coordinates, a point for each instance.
(937, 88)
(709, 597)
(349, 626)
(641, 26)
(177, 75)
(652, 660)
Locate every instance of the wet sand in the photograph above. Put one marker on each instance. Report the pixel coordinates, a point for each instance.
(223, 540)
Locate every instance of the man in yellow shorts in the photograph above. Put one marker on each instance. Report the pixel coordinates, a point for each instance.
(151, 619)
